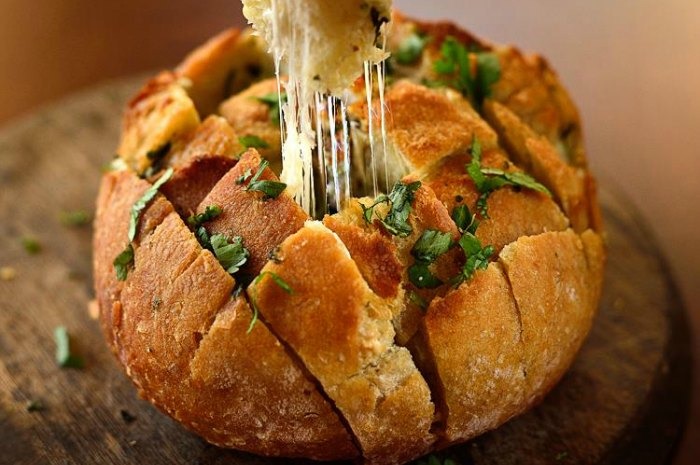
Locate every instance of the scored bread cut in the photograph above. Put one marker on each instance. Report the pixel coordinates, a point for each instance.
(321, 345)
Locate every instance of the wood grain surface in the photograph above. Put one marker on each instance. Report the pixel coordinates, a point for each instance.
(623, 401)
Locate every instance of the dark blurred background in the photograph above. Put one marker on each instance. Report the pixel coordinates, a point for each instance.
(633, 66)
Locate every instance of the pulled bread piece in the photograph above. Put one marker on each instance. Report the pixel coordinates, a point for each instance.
(401, 324)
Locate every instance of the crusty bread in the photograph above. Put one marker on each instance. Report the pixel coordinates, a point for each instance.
(321, 345)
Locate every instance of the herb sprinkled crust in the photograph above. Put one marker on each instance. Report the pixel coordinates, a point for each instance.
(399, 325)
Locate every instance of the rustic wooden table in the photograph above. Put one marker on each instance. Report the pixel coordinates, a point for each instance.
(624, 400)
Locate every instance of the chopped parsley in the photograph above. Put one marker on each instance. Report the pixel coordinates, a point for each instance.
(210, 212)
(411, 49)
(400, 199)
(463, 218)
(242, 178)
(34, 406)
(273, 101)
(140, 205)
(123, 262)
(31, 245)
(197, 221)
(277, 280)
(474, 82)
(64, 357)
(253, 142)
(125, 259)
(156, 157)
(74, 218)
(230, 253)
(488, 180)
(477, 257)
(426, 250)
(270, 189)
(431, 245)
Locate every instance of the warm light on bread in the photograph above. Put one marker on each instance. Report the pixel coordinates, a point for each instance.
(389, 327)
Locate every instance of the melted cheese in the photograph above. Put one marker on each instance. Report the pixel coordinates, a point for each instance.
(324, 46)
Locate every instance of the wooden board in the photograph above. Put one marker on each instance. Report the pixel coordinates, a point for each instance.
(623, 401)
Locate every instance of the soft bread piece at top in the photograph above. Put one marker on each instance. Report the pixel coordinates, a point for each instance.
(342, 332)
(323, 43)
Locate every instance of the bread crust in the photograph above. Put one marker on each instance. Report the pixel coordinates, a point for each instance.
(347, 358)
(342, 331)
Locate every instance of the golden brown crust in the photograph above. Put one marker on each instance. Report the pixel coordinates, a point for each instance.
(511, 213)
(192, 181)
(224, 65)
(249, 116)
(177, 330)
(374, 253)
(412, 112)
(556, 292)
(277, 408)
(349, 363)
(213, 137)
(342, 332)
(241, 211)
(160, 112)
(537, 155)
(482, 381)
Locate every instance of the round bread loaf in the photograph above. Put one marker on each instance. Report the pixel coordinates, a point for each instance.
(389, 329)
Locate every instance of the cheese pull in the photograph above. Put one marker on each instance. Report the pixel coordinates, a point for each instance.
(324, 43)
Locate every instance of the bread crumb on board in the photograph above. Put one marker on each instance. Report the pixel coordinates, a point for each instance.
(7, 273)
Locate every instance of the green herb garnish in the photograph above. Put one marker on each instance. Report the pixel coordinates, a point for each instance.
(426, 250)
(271, 189)
(430, 245)
(474, 83)
(463, 218)
(230, 253)
(156, 158)
(123, 262)
(253, 142)
(488, 180)
(400, 199)
(242, 178)
(279, 281)
(31, 245)
(273, 101)
(141, 203)
(125, 259)
(34, 406)
(64, 357)
(196, 223)
(411, 49)
(74, 218)
(477, 257)
(210, 212)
